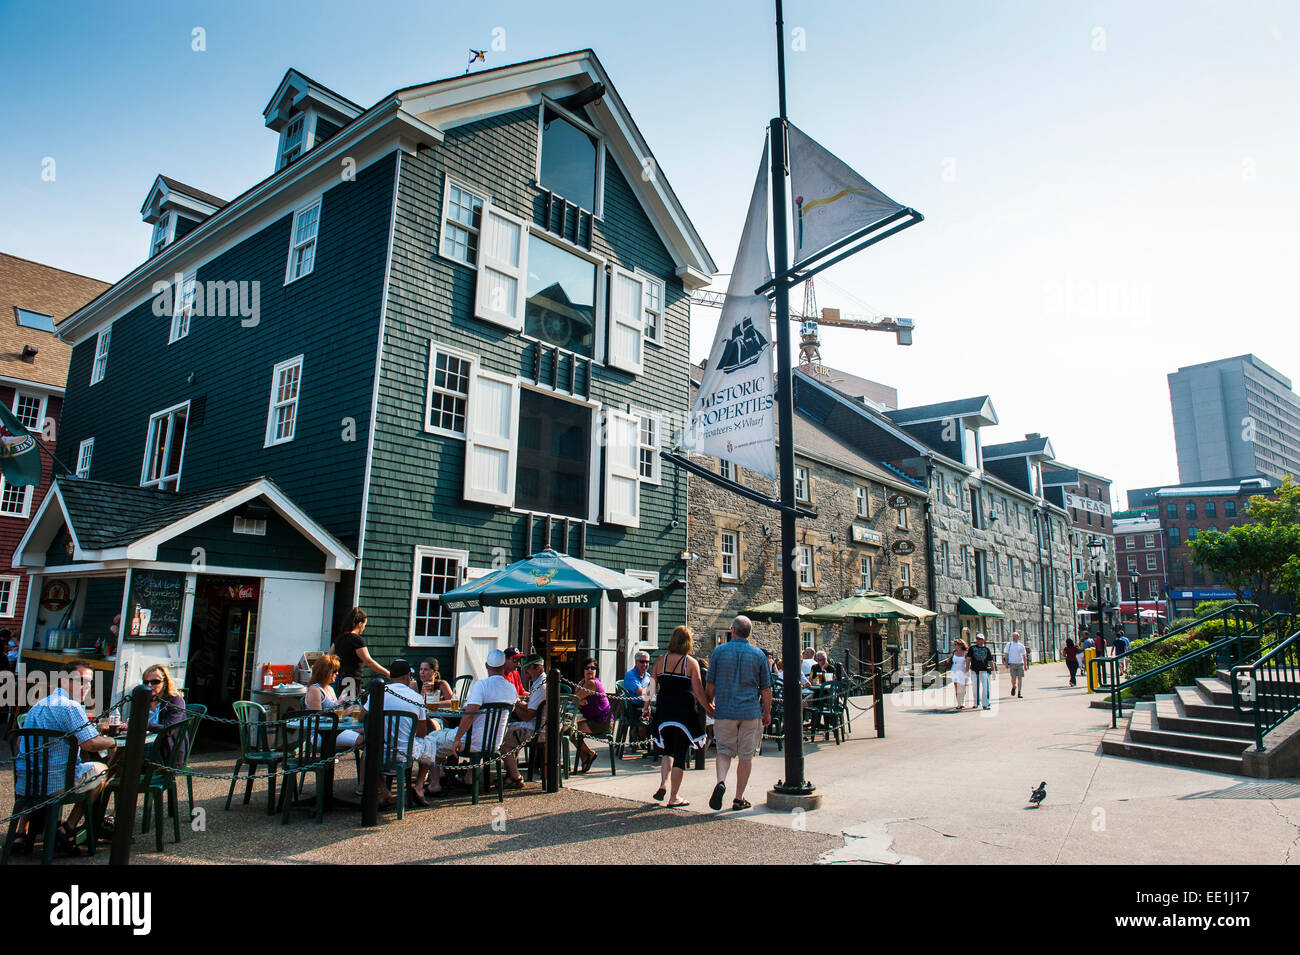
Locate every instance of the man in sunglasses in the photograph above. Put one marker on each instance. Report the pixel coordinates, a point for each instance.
(63, 710)
(637, 684)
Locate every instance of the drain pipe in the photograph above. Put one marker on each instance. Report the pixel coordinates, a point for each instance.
(930, 577)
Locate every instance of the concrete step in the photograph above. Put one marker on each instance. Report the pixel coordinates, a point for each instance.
(1198, 704)
(1145, 727)
(1217, 691)
(1119, 742)
(1171, 716)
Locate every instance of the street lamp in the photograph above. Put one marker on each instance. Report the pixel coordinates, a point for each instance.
(1134, 579)
(1097, 547)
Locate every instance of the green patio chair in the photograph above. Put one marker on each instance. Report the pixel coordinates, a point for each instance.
(157, 784)
(398, 760)
(39, 747)
(460, 687)
(255, 750)
(195, 713)
(482, 758)
(303, 755)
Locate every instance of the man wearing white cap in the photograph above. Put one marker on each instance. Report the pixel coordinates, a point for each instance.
(494, 689)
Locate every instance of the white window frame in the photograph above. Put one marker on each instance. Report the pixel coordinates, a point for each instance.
(275, 405)
(99, 365)
(806, 496)
(162, 233)
(870, 575)
(255, 527)
(656, 468)
(901, 518)
(295, 246)
(599, 211)
(9, 608)
(148, 448)
(498, 444)
(485, 199)
(301, 148)
(1151, 561)
(806, 561)
(727, 469)
(622, 465)
(436, 349)
(600, 309)
(654, 281)
(734, 555)
(27, 501)
(1128, 542)
(636, 611)
(904, 573)
(462, 563)
(182, 307)
(862, 497)
(42, 403)
(85, 455)
(632, 320)
(1148, 540)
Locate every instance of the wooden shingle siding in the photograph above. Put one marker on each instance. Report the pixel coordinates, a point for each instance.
(282, 547)
(416, 488)
(331, 317)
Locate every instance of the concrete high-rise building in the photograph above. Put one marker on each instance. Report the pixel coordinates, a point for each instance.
(1234, 417)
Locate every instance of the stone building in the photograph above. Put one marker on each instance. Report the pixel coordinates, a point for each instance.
(1086, 498)
(869, 534)
(999, 550)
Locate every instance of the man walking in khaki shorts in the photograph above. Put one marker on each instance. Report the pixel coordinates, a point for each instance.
(740, 689)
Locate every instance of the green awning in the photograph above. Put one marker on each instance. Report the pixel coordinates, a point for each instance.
(978, 607)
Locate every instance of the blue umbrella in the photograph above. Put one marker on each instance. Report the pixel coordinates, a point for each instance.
(549, 579)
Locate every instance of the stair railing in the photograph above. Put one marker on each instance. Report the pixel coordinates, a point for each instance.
(1114, 666)
(1269, 688)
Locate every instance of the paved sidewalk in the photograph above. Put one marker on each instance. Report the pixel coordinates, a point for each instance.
(952, 787)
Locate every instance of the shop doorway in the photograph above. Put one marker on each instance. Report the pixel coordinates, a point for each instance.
(223, 639)
(561, 636)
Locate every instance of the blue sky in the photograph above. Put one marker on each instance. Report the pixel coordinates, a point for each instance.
(1111, 190)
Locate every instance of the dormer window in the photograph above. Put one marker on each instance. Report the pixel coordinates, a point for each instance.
(162, 234)
(292, 140)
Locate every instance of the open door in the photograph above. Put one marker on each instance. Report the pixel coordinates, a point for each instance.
(478, 633)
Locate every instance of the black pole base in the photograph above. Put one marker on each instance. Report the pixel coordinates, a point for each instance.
(797, 797)
(794, 789)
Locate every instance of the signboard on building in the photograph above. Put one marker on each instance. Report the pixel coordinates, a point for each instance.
(1086, 504)
(155, 610)
(906, 593)
(900, 501)
(865, 535)
(903, 548)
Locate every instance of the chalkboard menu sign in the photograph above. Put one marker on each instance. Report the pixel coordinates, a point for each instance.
(155, 611)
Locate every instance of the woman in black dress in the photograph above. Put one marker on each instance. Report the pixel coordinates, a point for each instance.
(677, 728)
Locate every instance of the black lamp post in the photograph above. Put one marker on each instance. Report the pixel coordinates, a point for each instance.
(1097, 547)
(1134, 579)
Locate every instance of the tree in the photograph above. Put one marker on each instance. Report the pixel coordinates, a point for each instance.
(1262, 556)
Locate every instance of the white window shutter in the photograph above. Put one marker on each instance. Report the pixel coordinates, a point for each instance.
(490, 439)
(626, 320)
(622, 475)
(502, 268)
(478, 633)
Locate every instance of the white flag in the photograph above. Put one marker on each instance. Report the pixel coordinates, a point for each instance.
(734, 415)
(830, 200)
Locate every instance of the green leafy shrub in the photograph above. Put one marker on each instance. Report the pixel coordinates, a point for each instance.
(1161, 653)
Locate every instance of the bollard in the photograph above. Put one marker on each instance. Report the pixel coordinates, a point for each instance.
(553, 731)
(878, 685)
(137, 727)
(374, 755)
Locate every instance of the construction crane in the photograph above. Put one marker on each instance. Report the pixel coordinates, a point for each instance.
(810, 319)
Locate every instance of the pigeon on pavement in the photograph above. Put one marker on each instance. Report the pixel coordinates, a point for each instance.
(1038, 795)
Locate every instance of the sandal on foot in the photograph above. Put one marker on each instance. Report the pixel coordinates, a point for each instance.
(587, 761)
(738, 804)
(677, 805)
(514, 784)
(21, 846)
(715, 801)
(659, 794)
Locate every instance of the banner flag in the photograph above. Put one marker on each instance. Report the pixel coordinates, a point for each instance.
(734, 416)
(829, 200)
(20, 459)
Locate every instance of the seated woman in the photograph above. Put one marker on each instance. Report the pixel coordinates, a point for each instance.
(594, 705)
(166, 705)
(321, 696)
(431, 684)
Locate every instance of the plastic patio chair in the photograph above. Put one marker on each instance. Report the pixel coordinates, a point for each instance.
(254, 750)
(460, 687)
(617, 705)
(395, 760)
(157, 784)
(303, 755)
(494, 718)
(195, 713)
(38, 747)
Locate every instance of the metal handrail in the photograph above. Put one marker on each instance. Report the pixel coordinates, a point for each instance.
(1116, 688)
(1267, 696)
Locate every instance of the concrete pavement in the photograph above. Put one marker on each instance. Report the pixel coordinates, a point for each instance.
(952, 787)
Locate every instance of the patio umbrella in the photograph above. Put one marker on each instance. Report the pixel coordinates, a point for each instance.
(1148, 614)
(771, 611)
(869, 605)
(549, 579)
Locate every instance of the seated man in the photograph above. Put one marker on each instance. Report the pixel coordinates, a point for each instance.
(448, 742)
(637, 684)
(62, 710)
(514, 658)
(529, 713)
(400, 696)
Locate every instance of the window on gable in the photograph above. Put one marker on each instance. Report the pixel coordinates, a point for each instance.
(292, 140)
(84, 453)
(14, 501)
(448, 399)
(37, 320)
(569, 160)
(29, 410)
(100, 365)
(648, 448)
(462, 221)
(282, 419)
(653, 304)
(165, 448)
(182, 308)
(561, 297)
(253, 526)
(302, 241)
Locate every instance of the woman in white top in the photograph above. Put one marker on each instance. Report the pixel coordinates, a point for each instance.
(959, 664)
(321, 696)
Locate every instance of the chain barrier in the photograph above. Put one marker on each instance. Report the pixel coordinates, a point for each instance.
(59, 741)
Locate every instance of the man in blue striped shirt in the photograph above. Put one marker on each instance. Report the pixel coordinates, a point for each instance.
(740, 689)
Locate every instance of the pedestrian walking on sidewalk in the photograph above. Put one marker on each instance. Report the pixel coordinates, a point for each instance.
(740, 689)
(1071, 654)
(959, 670)
(1017, 658)
(982, 665)
(677, 727)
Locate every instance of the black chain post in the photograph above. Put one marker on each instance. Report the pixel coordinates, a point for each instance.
(374, 753)
(128, 793)
(877, 684)
(553, 731)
